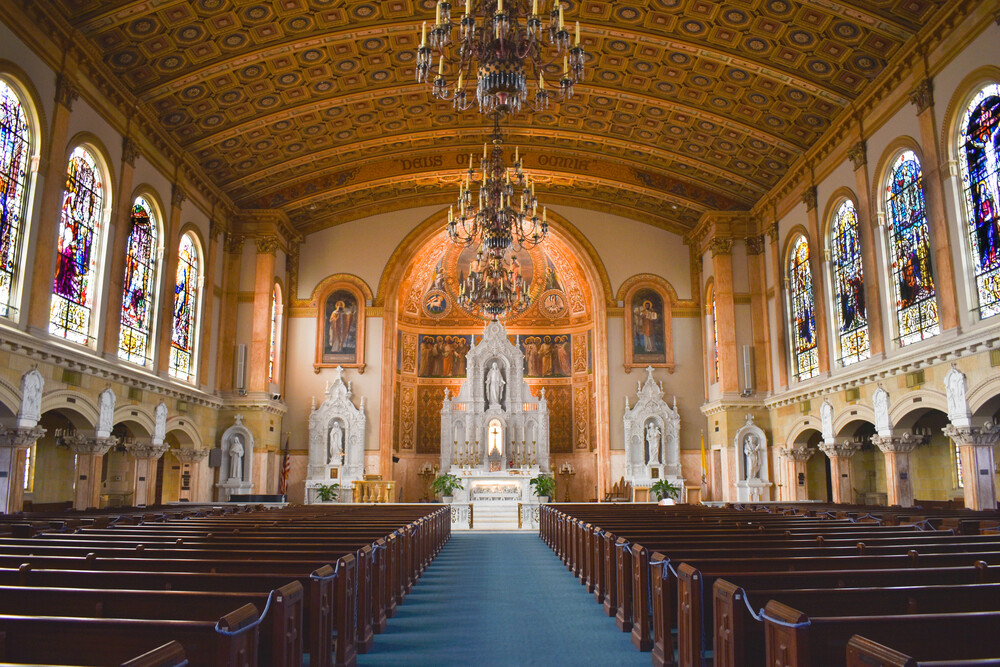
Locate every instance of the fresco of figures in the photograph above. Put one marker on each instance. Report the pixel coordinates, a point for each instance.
(547, 356)
(443, 356)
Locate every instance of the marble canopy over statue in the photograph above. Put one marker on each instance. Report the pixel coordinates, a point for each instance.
(652, 437)
(236, 471)
(336, 440)
(495, 407)
(753, 478)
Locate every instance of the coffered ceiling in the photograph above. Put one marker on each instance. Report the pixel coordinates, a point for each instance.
(311, 106)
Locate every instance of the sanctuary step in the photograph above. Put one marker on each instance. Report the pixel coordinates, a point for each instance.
(494, 516)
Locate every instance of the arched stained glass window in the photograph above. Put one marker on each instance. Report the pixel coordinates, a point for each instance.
(910, 250)
(804, 353)
(272, 363)
(184, 332)
(979, 145)
(77, 248)
(139, 286)
(715, 337)
(848, 277)
(15, 144)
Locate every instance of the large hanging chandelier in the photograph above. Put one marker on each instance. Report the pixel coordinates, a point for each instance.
(499, 215)
(501, 47)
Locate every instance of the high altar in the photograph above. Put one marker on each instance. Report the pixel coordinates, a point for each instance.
(494, 433)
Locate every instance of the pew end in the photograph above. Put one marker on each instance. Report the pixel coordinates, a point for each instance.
(862, 652)
(170, 654)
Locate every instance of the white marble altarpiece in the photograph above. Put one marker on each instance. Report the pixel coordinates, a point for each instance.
(336, 440)
(494, 433)
(753, 471)
(652, 437)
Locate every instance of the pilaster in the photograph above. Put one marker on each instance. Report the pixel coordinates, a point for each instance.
(841, 475)
(975, 446)
(821, 289)
(798, 477)
(858, 153)
(261, 333)
(725, 314)
(897, 449)
(191, 461)
(778, 279)
(758, 312)
(145, 454)
(171, 244)
(207, 321)
(121, 227)
(229, 311)
(89, 452)
(14, 443)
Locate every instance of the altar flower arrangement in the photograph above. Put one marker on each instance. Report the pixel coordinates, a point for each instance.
(543, 486)
(328, 492)
(666, 489)
(445, 485)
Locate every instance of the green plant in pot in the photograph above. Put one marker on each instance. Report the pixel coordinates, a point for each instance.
(445, 486)
(328, 492)
(664, 488)
(543, 486)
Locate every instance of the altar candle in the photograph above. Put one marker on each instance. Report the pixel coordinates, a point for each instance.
(438, 19)
(562, 23)
(441, 66)
(578, 33)
(534, 7)
(423, 34)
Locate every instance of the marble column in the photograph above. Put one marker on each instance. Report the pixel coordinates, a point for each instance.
(778, 279)
(858, 154)
(897, 449)
(260, 340)
(725, 314)
(145, 454)
(821, 290)
(171, 249)
(941, 239)
(841, 475)
(798, 475)
(975, 446)
(14, 444)
(758, 311)
(120, 228)
(54, 168)
(89, 454)
(190, 460)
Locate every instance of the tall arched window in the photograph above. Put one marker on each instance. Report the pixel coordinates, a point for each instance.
(715, 334)
(15, 153)
(979, 144)
(272, 362)
(848, 276)
(804, 354)
(77, 249)
(184, 332)
(139, 285)
(910, 251)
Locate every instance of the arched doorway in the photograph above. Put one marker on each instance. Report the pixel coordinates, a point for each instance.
(54, 471)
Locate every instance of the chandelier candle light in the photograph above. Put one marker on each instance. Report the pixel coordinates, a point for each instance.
(501, 45)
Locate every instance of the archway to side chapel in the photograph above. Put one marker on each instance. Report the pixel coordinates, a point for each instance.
(562, 333)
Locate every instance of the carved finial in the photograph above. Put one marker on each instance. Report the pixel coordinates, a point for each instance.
(626, 404)
(314, 404)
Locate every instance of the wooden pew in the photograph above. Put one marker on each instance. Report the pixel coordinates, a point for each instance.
(863, 652)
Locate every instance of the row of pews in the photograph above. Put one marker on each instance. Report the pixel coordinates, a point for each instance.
(790, 585)
(225, 586)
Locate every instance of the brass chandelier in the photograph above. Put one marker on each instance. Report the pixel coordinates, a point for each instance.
(501, 45)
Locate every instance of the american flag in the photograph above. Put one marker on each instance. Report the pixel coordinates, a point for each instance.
(286, 469)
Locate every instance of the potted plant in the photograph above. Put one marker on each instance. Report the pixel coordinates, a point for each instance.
(543, 486)
(445, 485)
(328, 492)
(664, 488)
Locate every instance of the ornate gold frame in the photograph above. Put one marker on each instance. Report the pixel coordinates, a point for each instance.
(359, 355)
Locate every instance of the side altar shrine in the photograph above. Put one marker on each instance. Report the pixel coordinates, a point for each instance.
(494, 433)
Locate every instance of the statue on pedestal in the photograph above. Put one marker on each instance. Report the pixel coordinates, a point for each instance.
(236, 458)
(494, 385)
(751, 448)
(652, 444)
(336, 441)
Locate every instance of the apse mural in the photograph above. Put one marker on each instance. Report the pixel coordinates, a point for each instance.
(14, 146)
(913, 280)
(979, 145)
(443, 356)
(547, 356)
(848, 278)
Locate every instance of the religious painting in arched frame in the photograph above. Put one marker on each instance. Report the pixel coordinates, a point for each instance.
(340, 327)
(648, 327)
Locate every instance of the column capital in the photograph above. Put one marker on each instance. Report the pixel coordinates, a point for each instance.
(922, 96)
(858, 154)
(721, 246)
(266, 245)
(755, 244)
(66, 91)
(809, 197)
(845, 449)
(82, 444)
(797, 453)
(234, 243)
(898, 444)
(985, 436)
(20, 436)
(177, 195)
(146, 450)
(130, 151)
(772, 232)
(189, 455)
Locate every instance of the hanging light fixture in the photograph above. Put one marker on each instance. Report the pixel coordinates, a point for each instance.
(501, 48)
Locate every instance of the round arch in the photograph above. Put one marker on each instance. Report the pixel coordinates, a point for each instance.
(184, 431)
(67, 401)
(881, 172)
(905, 412)
(31, 101)
(10, 396)
(833, 204)
(846, 423)
(133, 415)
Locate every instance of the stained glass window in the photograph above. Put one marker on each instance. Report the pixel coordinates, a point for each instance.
(182, 338)
(77, 247)
(978, 146)
(138, 290)
(275, 317)
(15, 141)
(852, 319)
(909, 245)
(715, 338)
(804, 353)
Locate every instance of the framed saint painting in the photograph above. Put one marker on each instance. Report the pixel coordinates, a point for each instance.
(340, 328)
(648, 340)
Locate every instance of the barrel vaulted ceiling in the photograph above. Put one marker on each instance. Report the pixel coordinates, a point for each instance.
(311, 106)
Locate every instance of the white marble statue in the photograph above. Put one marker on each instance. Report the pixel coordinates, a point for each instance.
(751, 447)
(106, 415)
(826, 420)
(336, 441)
(32, 384)
(652, 444)
(159, 423)
(880, 401)
(236, 458)
(494, 385)
(956, 386)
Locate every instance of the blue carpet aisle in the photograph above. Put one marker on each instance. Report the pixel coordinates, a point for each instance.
(500, 599)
